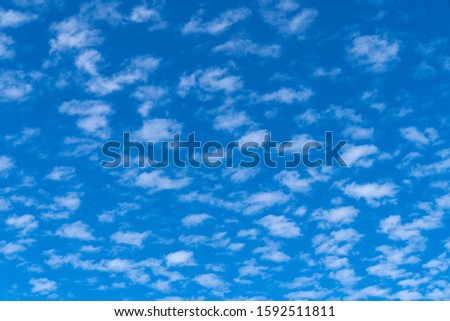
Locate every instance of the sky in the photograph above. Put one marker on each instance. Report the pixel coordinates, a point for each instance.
(76, 74)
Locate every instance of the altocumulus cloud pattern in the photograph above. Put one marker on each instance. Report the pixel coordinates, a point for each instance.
(75, 75)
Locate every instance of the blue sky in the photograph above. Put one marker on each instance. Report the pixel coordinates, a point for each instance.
(75, 75)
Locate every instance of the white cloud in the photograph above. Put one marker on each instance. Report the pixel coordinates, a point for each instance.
(130, 238)
(25, 223)
(251, 268)
(26, 135)
(435, 168)
(156, 181)
(288, 95)
(61, 173)
(6, 47)
(292, 180)
(6, 164)
(347, 277)
(13, 18)
(4, 204)
(374, 52)
(310, 116)
(211, 80)
(213, 282)
(339, 242)
(374, 193)
(280, 226)
(151, 96)
(240, 175)
(180, 258)
(138, 70)
(195, 219)
(218, 25)
(358, 133)
(335, 262)
(144, 14)
(331, 73)
(71, 201)
(157, 129)
(271, 252)
(10, 249)
(43, 286)
(244, 47)
(250, 233)
(336, 216)
(15, 85)
(414, 135)
(88, 61)
(74, 33)
(311, 295)
(369, 292)
(77, 230)
(345, 113)
(93, 116)
(261, 200)
(359, 155)
(231, 120)
(285, 16)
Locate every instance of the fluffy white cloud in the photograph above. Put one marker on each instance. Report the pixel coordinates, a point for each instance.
(213, 282)
(211, 80)
(10, 249)
(26, 135)
(93, 116)
(150, 96)
(335, 216)
(71, 201)
(271, 252)
(74, 33)
(88, 61)
(130, 238)
(288, 95)
(374, 193)
(218, 25)
(359, 155)
(240, 175)
(138, 70)
(287, 17)
(16, 85)
(231, 120)
(414, 135)
(374, 52)
(339, 242)
(331, 73)
(6, 47)
(195, 219)
(156, 181)
(43, 286)
(180, 258)
(347, 277)
(244, 47)
(13, 18)
(261, 200)
(144, 14)
(369, 292)
(77, 230)
(25, 223)
(61, 173)
(358, 133)
(280, 226)
(6, 164)
(157, 129)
